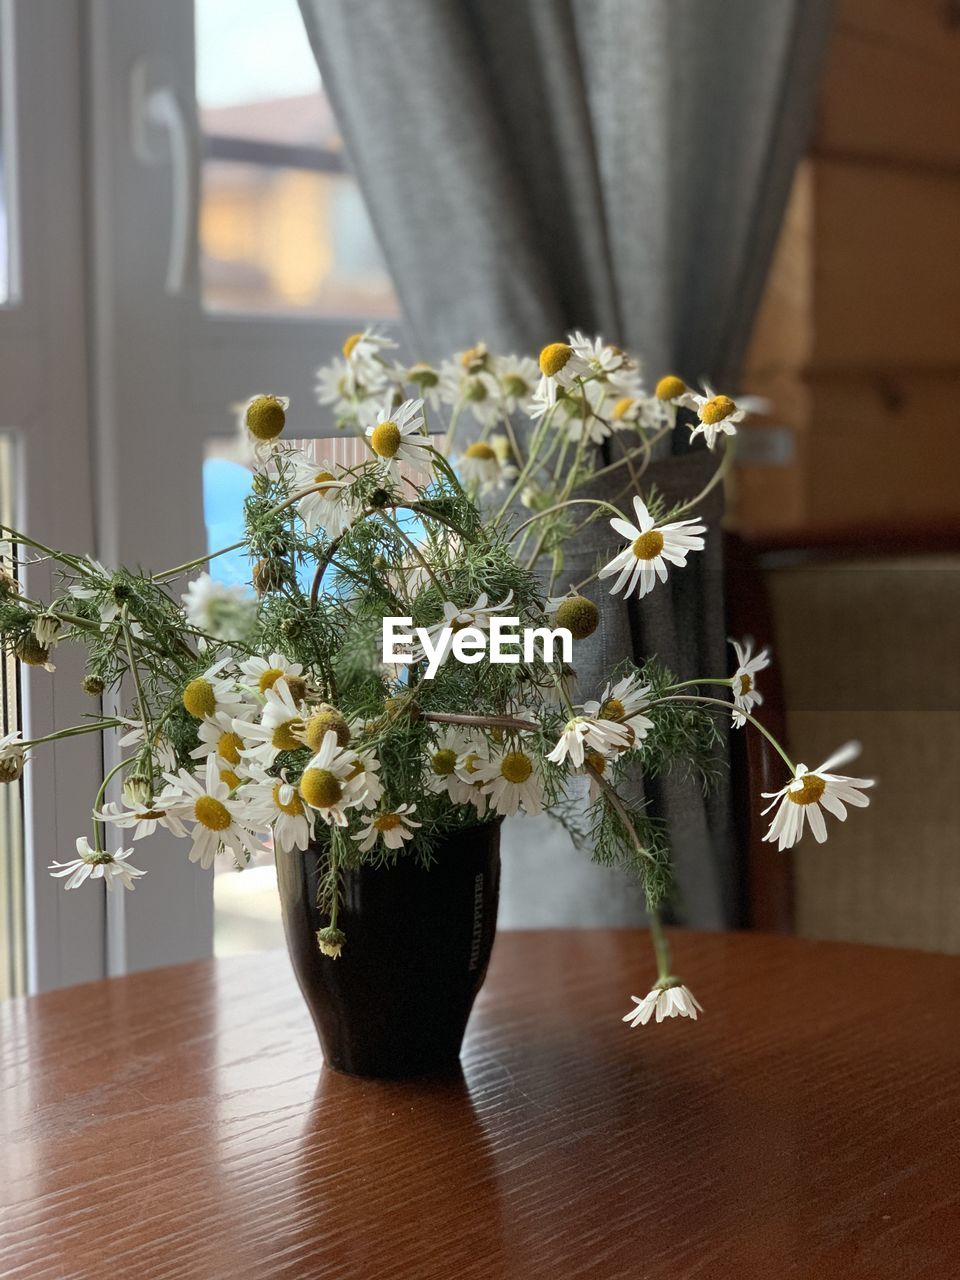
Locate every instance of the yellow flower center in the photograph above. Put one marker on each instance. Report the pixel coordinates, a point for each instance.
(444, 762)
(474, 358)
(265, 417)
(284, 735)
(622, 408)
(516, 767)
(293, 807)
(470, 762)
(554, 357)
(811, 791)
(716, 410)
(670, 387)
(595, 761)
(349, 345)
(612, 709)
(230, 778)
(746, 684)
(320, 788)
(320, 724)
(228, 747)
(269, 678)
(387, 822)
(649, 545)
(479, 449)
(212, 814)
(385, 439)
(322, 477)
(199, 698)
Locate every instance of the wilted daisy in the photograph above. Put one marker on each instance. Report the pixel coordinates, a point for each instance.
(365, 352)
(274, 803)
(746, 696)
(398, 435)
(226, 613)
(560, 366)
(807, 790)
(393, 826)
(624, 703)
(280, 728)
(582, 732)
(651, 546)
(717, 415)
(94, 864)
(142, 820)
(669, 999)
(512, 779)
(331, 784)
(12, 757)
(216, 815)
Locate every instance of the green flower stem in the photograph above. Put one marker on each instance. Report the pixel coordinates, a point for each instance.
(661, 946)
(569, 502)
(729, 706)
(489, 722)
(617, 804)
(715, 479)
(99, 801)
(75, 731)
(134, 671)
(195, 564)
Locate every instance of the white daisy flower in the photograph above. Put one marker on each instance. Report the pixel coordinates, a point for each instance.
(394, 827)
(467, 784)
(218, 737)
(163, 751)
(265, 672)
(365, 776)
(12, 757)
(111, 868)
(585, 417)
(280, 728)
(270, 802)
(336, 385)
(718, 415)
(746, 696)
(667, 1001)
(517, 377)
(480, 466)
(425, 378)
(440, 770)
(331, 783)
(512, 779)
(398, 435)
(364, 352)
(651, 547)
(326, 503)
(216, 815)
(624, 703)
(560, 366)
(214, 691)
(476, 615)
(807, 790)
(260, 422)
(669, 395)
(143, 820)
(602, 736)
(226, 613)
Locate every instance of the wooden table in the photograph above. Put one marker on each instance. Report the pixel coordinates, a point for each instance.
(178, 1124)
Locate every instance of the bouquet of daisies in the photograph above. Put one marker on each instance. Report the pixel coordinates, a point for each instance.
(273, 716)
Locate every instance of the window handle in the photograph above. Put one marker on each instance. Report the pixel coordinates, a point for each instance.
(158, 110)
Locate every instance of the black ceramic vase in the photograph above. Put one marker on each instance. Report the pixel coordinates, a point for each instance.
(396, 1001)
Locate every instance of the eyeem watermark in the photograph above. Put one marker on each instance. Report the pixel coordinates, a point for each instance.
(503, 643)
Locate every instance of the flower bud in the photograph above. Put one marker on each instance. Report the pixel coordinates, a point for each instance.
(330, 941)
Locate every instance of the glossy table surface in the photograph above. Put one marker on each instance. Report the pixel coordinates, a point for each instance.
(178, 1124)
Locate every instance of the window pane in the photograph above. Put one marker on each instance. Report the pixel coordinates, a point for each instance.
(4, 235)
(283, 228)
(12, 951)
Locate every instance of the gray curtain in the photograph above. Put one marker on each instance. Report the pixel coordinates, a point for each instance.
(619, 166)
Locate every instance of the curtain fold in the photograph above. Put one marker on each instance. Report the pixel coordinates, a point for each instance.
(620, 166)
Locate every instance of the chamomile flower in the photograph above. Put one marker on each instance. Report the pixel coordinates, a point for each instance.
(582, 732)
(425, 378)
(162, 749)
(669, 395)
(12, 757)
(577, 613)
(456, 619)
(365, 778)
(510, 780)
(517, 377)
(331, 784)
(717, 415)
(624, 704)
(142, 820)
(640, 564)
(469, 380)
(467, 787)
(364, 353)
(560, 366)
(393, 826)
(263, 673)
(217, 815)
(93, 864)
(336, 386)
(668, 999)
(225, 613)
(746, 696)
(480, 466)
(274, 803)
(325, 503)
(213, 691)
(440, 771)
(398, 435)
(219, 738)
(801, 799)
(261, 420)
(281, 726)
